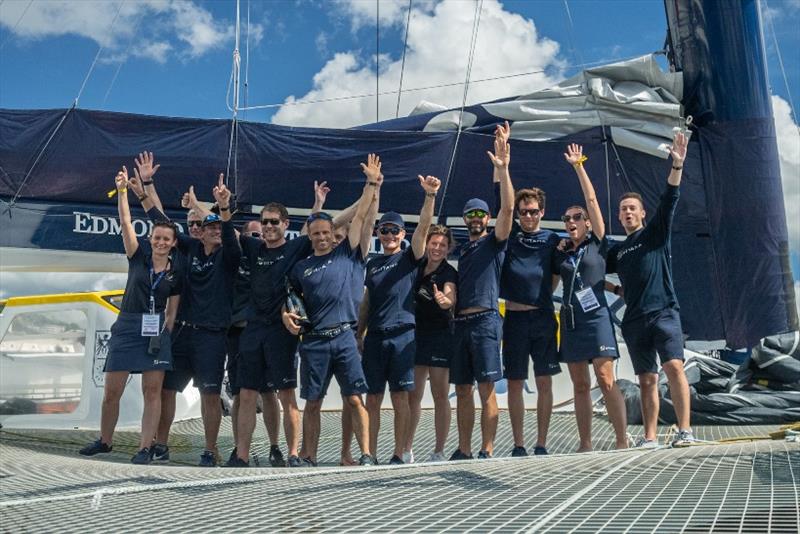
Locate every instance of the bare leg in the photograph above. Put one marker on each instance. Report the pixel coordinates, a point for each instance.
(679, 392)
(109, 413)
(212, 417)
(489, 415)
(271, 412)
(516, 411)
(440, 388)
(581, 386)
(347, 433)
(151, 391)
(415, 403)
(402, 418)
(648, 382)
(615, 404)
(544, 407)
(465, 417)
(246, 422)
(374, 402)
(167, 415)
(360, 422)
(291, 419)
(235, 419)
(311, 428)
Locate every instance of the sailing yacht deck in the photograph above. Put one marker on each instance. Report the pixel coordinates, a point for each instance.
(737, 486)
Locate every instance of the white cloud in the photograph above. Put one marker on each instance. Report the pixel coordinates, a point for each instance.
(363, 12)
(159, 29)
(788, 136)
(438, 43)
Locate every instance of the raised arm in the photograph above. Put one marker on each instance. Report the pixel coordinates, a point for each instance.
(500, 160)
(144, 172)
(430, 184)
(372, 171)
(189, 201)
(678, 152)
(129, 240)
(321, 191)
(230, 243)
(575, 157)
(369, 221)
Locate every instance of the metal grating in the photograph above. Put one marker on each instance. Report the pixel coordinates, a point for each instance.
(737, 487)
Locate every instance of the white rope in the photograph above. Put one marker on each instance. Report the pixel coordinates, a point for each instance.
(134, 38)
(780, 62)
(97, 56)
(14, 29)
(571, 28)
(403, 62)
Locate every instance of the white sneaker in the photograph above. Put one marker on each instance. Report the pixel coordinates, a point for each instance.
(685, 438)
(408, 457)
(644, 443)
(437, 457)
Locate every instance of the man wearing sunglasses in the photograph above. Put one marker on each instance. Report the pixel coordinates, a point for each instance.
(529, 328)
(477, 322)
(387, 317)
(652, 325)
(325, 280)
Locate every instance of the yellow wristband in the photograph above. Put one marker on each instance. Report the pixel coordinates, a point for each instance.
(114, 192)
(579, 163)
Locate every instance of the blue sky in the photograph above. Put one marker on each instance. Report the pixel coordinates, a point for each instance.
(173, 57)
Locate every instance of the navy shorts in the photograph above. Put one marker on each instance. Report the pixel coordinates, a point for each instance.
(322, 357)
(593, 337)
(232, 361)
(198, 354)
(476, 353)
(654, 333)
(530, 335)
(128, 349)
(389, 357)
(267, 357)
(434, 348)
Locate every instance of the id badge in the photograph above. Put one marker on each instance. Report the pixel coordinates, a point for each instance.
(587, 299)
(150, 324)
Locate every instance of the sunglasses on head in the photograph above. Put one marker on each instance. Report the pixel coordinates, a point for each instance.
(273, 222)
(194, 223)
(389, 229)
(320, 215)
(530, 213)
(475, 214)
(576, 217)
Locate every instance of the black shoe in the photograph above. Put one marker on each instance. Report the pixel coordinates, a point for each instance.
(232, 456)
(143, 457)
(366, 459)
(458, 455)
(539, 451)
(308, 462)
(396, 460)
(235, 461)
(276, 457)
(95, 447)
(294, 461)
(484, 454)
(519, 451)
(159, 453)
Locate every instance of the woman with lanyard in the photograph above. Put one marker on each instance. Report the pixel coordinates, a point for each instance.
(140, 337)
(587, 333)
(435, 298)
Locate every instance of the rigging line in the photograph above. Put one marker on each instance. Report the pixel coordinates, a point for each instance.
(247, 60)
(377, 60)
(476, 21)
(124, 60)
(425, 88)
(97, 56)
(780, 60)
(571, 28)
(403, 62)
(606, 140)
(14, 29)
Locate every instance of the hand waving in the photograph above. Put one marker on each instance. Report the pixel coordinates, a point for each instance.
(145, 170)
(678, 149)
(429, 183)
(504, 131)
(321, 191)
(502, 153)
(372, 169)
(221, 193)
(574, 154)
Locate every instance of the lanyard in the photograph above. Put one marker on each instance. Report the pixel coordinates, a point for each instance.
(575, 260)
(153, 286)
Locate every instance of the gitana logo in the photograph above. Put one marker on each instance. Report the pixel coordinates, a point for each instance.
(311, 270)
(609, 349)
(624, 251)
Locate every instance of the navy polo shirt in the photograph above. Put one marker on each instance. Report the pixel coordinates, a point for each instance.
(479, 266)
(326, 283)
(390, 282)
(591, 268)
(268, 270)
(644, 262)
(528, 268)
(429, 316)
(137, 289)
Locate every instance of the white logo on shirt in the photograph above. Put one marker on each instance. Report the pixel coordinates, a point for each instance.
(311, 270)
(624, 251)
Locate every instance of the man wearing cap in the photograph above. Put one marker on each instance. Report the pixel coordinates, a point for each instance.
(477, 322)
(329, 346)
(199, 344)
(387, 317)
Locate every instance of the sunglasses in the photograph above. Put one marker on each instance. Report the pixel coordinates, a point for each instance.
(254, 234)
(389, 229)
(577, 217)
(195, 223)
(530, 213)
(320, 215)
(475, 214)
(273, 222)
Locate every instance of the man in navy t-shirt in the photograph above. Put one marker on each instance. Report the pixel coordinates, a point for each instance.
(387, 317)
(477, 322)
(329, 346)
(651, 324)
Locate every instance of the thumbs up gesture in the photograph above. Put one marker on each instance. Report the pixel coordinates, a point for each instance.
(439, 297)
